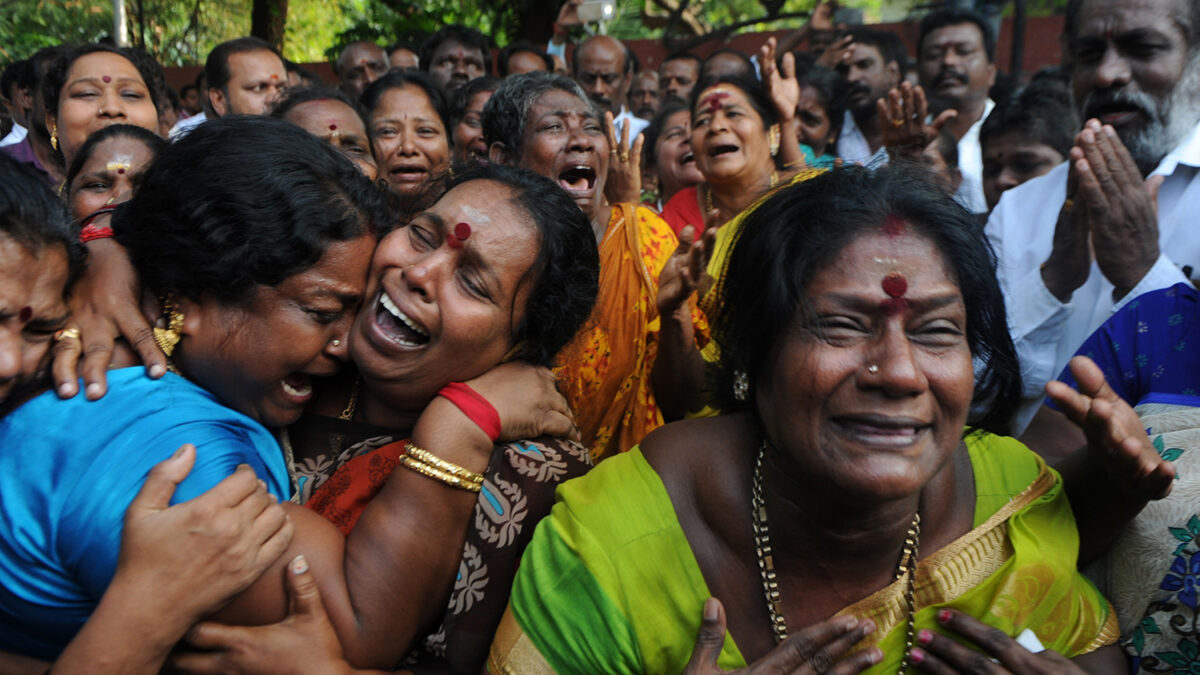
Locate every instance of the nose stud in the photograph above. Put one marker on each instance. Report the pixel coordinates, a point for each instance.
(873, 369)
(336, 342)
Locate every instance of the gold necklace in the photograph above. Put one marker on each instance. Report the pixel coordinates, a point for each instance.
(907, 567)
(335, 441)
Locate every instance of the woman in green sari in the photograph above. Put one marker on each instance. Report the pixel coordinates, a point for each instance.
(854, 496)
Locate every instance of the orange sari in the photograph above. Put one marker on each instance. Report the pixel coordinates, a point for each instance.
(604, 371)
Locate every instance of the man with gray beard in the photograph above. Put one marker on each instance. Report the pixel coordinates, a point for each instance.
(1117, 219)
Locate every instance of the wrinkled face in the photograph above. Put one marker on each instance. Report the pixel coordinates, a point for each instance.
(867, 77)
(442, 308)
(32, 308)
(468, 133)
(101, 89)
(728, 135)
(404, 59)
(602, 75)
(1012, 159)
(361, 64)
(109, 176)
(643, 96)
(678, 77)
(525, 62)
(816, 129)
(409, 139)
(674, 160)
(565, 142)
(455, 64)
(880, 435)
(953, 64)
(256, 81)
(340, 126)
(1131, 68)
(259, 358)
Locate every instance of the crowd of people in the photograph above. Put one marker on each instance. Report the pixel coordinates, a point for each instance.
(825, 358)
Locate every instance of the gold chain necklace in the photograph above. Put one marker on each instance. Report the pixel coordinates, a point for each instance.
(907, 568)
(335, 442)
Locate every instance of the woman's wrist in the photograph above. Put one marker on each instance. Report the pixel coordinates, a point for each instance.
(448, 432)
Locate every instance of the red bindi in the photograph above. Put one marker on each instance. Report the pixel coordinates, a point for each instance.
(26, 314)
(333, 127)
(713, 100)
(106, 79)
(120, 170)
(895, 285)
(461, 233)
(893, 226)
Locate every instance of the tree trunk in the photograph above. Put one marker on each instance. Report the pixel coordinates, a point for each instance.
(268, 19)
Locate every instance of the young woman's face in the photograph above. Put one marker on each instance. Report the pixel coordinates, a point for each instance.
(32, 308)
(259, 358)
(109, 176)
(673, 157)
(101, 88)
(442, 307)
(410, 141)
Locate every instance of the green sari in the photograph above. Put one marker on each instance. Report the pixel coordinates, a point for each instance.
(609, 583)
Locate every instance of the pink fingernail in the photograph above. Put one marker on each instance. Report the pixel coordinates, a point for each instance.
(944, 615)
(299, 565)
(917, 655)
(924, 637)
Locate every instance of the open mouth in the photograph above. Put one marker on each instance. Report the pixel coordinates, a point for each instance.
(578, 178)
(719, 150)
(688, 158)
(1115, 114)
(397, 326)
(882, 431)
(410, 173)
(297, 387)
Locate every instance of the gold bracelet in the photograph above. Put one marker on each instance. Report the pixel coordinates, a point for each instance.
(428, 458)
(439, 475)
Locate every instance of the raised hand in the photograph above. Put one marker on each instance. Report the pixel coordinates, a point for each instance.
(624, 182)
(902, 122)
(528, 401)
(684, 269)
(838, 53)
(816, 649)
(781, 82)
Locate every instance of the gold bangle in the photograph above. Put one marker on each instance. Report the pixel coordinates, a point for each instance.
(439, 475)
(426, 457)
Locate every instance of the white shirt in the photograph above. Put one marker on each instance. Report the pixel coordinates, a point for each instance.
(1021, 229)
(970, 164)
(636, 125)
(852, 146)
(16, 135)
(184, 127)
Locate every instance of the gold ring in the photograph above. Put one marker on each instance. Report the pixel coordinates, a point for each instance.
(624, 157)
(614, 150)
(1068, 205)
(71, 333)
(898, 123)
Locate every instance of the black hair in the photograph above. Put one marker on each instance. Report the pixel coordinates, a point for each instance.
(632, 64)
(517, 47)
(153, 142)
(683, 56)
(216, 67)
(14, 74)
(186, 88)
(303, 73)
(954, 17)
(827, 84)
(946, 145)
(337, 63)
(567, 267)
(39, 64)
(889, 45)
(398, 79)
(1190, 22)
(747, 68)
(295, 97)
(172, 98)
(34, 217)
(655, 128)
(463, 95)
(754, 90)
(798, 231)
(149, 70)
(505, 114)
(1043, 112)
(403, 44)
(242, 202)
(467, 37)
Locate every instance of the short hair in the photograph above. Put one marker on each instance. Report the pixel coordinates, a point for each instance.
(517, 47)
(149, 70)
(1043, 112)
(242, 202)
(14, 75)
(216, 67)
(828, 85)
(467, 37)
(403, 44)
(1190, 22)
(319, 92)
(798, 232)
(683, 56)
(303, 73)
(567, 266)
(153, 142)
(953, 17)
(655, 128)
(34, 217)
(337, 63)
(398, 79)
(463, 95)
(186, 88)
(946, 145)
(889, 45)
(506, 112)
(632, 64)
(754, 90)
(748, 69)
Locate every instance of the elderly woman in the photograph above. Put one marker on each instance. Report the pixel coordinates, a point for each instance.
(547, 124)
(846, 499)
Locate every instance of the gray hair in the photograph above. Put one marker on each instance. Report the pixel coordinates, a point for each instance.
(507, 111)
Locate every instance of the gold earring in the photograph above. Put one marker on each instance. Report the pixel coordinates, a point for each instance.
(774, 138)
(167, 338)
(54, 136)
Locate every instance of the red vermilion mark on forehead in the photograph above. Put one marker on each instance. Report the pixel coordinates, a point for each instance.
(895, 286)
(713, 100)
(106, 79)
(25, 314)
(894, 305)
(333, 127)
(461, 232)
(120, 170)
(274, 76)
(893, 226)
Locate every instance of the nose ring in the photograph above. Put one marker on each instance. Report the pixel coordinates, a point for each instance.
(336, 342)
(873, 369)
